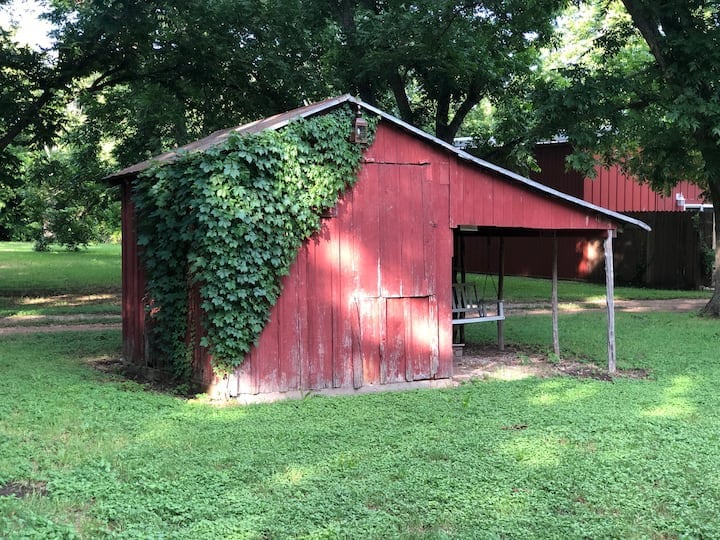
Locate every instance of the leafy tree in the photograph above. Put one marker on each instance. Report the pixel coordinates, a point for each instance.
(210, 63)
(640, 87)
(146, 76)
(437, 59)
(20, 66)
(62, 199)
(229, 60)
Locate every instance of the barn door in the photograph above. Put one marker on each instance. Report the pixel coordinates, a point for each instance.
(397, 339)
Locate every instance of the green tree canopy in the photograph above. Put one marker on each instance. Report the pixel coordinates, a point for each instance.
(435, 60)
(142, 76)
(638, 84)
(150, 75)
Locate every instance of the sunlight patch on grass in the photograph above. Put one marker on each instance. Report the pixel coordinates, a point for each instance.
(511, 373)
(536, 451)
(292, 475)
(555, 392)
(65, 304)
(67, 300)
(678, 408)
(675, 402)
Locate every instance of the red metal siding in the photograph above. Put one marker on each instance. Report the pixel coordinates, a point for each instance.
(479, 199)
(553, 173)
(611, 188)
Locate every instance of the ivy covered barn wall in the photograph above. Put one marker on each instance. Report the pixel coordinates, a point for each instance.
(322, 264)
(367, 300)
(218, 228)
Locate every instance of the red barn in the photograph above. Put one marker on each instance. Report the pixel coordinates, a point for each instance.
(369, 298)
(670, 256)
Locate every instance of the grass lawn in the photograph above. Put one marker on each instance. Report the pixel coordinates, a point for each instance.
(87, 454)
(522, 289)
(58, 282)
(533, 458)
(24, 272)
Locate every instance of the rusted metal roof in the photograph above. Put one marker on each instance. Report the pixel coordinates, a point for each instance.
(281, 120)
(219, 137)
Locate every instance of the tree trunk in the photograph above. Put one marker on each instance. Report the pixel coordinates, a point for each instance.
(709, 150)
(712, 308)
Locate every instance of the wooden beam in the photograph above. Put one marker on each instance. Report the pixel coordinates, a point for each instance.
(463, 278)
(500, 292)
(555, 329)
(610, 288)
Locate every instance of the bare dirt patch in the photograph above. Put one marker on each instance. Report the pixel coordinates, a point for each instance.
(53, 328)
(23, 489)
(486, 361)
(150, 379)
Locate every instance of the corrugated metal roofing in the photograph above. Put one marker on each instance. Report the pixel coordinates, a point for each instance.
(281, 120)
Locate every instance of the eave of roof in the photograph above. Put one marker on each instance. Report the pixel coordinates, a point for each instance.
(274, 122)
(281, 120)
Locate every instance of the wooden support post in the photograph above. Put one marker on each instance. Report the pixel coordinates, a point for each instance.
(610, 287)
(463, 279)
(500, 292)
(555, 329)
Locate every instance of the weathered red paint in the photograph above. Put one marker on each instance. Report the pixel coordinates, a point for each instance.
(368, 299)
(133, 285)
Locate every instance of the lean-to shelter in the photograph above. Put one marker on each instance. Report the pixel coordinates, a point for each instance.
(369, 298)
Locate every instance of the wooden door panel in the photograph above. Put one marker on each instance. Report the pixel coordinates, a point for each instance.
(397, 339)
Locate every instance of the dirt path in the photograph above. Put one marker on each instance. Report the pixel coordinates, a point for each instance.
(487, 362)
(679, 305)
(52, 328)
(47, 324)
(73, 323)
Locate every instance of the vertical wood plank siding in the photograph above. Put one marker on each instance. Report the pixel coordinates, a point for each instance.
(360, 305)
(368, 298)
(133, 284)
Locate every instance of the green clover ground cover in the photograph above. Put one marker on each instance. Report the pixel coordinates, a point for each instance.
(540, 458)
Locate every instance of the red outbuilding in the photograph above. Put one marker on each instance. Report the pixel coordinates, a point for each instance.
(369, 299)
(673, 255)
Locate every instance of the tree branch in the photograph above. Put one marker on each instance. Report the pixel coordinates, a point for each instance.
(649, 27)
(27, 118)
(472, 99)
(398, 89)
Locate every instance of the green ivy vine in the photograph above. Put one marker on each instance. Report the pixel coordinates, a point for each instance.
(230, 221)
